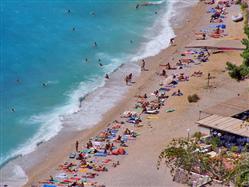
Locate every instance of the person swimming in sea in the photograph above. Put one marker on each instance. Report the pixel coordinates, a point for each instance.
(95, 44)
(74, 29)
(93, 13)
(13, 110)
(44, 84)
(18, 81)
(86, 59)
(137, 6)
(131, 41)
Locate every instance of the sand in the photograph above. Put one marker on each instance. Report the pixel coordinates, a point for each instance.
(138, 168)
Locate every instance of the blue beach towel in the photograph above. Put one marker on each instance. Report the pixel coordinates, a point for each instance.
(49, 185)
(100, 154)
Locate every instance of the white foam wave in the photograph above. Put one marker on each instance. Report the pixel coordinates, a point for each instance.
(158, 35)
(155, 2)
(13, 176)
(161, 32)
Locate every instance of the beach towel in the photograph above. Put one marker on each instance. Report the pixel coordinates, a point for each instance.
(152, 117)
(49, 185)
(83, 170)
(170, 110)
(86, 150)
(101, 154)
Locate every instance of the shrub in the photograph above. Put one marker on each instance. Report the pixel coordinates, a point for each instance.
(215, 142)
(193, 98)
(197, 135)
(244, 6)
(234, 149)
(242, 71)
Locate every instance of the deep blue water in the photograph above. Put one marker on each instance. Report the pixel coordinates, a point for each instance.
(39, 45)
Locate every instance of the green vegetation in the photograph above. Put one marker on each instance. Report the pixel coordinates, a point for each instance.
(187, 155)
(197, 135)
(234, 149)
(215, 142)
(193, 98)
(240, 174)
(243, 5)
(242, 71)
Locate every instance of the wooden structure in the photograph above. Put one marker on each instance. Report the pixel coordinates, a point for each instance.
(225, 124)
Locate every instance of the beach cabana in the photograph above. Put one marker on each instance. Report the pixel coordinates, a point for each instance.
(229, 107)
(225, 124)
(223, 116)
(218, 44)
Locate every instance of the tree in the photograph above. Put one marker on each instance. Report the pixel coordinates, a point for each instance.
(242, 71)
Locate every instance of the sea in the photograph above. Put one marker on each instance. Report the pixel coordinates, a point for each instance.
(55, 53)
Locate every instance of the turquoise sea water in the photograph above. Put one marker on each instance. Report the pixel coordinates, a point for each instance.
(43, 42)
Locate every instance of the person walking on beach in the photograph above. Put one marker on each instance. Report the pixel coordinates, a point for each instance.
(143, 65)
(77, 146)
(126, 80)
(172, 40)
(130, 77)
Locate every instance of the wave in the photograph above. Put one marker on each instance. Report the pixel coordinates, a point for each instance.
(158, 36)
(15, 177)
(152, 3)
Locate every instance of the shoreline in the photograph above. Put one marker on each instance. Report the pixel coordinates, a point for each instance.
(69, 135)
(113, 112)
(61, 150)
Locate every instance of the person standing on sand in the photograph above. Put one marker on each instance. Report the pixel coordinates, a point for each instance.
(143, 65)
(77, 146)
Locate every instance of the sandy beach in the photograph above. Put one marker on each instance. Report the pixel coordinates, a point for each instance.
(138, 168)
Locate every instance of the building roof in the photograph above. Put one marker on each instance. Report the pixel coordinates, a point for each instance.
(225, 124)
(230, 107)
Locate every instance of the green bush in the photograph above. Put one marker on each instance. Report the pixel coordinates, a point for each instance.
(234, 149)
(244, 6)
(215, 142)
(193, 98)
(242, 71)
(197, 135)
